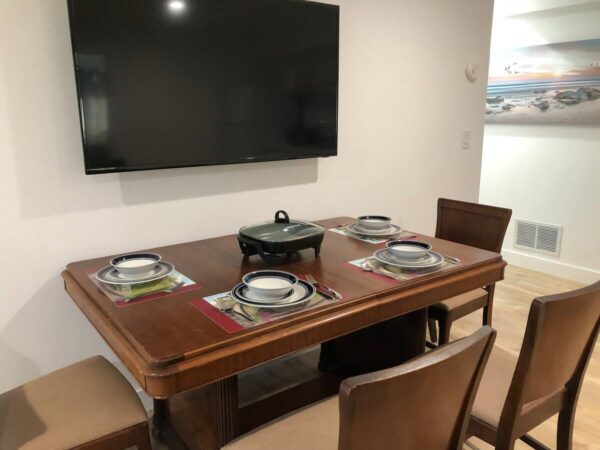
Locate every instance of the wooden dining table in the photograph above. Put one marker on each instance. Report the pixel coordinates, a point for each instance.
(191, 366)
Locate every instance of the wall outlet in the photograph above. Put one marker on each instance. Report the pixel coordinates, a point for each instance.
(466, 140)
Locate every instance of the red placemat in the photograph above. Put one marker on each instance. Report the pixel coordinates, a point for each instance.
(156, 295)
(242, 317)
(217, 316)
(187, 285)
(399, 276)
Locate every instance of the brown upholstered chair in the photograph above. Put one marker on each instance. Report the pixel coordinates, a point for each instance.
(517, 394)
(479, 226)
(88, 405)
(422, 404)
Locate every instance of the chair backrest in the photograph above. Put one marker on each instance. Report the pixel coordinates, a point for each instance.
(559, 339)
(480, 226)
(422, 404)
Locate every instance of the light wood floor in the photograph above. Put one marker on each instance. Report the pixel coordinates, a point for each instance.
(511, 306)
(512, 299)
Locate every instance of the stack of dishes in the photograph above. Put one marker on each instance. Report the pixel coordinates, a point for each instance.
(135, 269)
(375, 227)
(409, 256)
(272, 289)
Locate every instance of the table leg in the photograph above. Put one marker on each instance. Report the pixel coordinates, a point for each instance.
(160, 418)
(386, 344)
(224, 409)
(487, 309)
(328, 361)
(203, 418)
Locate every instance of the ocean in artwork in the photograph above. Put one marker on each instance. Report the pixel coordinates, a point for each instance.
(554, 83)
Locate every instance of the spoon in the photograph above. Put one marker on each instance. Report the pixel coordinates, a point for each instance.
(367, 267)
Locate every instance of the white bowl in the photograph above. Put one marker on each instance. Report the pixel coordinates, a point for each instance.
(374, 222)
(270, 284)
(135, 264)
(403, 249)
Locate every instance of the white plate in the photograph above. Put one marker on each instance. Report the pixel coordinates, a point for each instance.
(302, 293)
(390, 231)
(110, 275)
(430, 261)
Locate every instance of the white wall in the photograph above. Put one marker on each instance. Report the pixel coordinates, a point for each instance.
(507, 8)
(404, 102)
(547, 173)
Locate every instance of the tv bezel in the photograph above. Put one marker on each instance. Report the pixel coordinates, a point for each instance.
(176, 165)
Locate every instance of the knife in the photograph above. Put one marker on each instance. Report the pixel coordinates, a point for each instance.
(327, 289)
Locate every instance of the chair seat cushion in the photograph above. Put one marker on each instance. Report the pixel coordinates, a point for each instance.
(314, 427)
(458, 301)
(494, 386)
(69, 407)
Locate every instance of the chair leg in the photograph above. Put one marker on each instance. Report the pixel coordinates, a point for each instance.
(444, 324)
(509, 445)
(533, 442)
(432, 330)
(143, 437)
(564, 433)
(487, 309)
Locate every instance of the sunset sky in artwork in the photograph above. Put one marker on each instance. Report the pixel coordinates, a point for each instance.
(569, 61)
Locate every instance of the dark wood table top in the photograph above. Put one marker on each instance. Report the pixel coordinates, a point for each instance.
(167, 336)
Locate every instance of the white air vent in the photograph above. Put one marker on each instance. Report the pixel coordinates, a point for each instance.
(540, 237)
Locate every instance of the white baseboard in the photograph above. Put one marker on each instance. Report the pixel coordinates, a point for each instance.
(557, 268)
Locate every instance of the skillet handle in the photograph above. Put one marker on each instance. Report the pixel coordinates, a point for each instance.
(284, 219)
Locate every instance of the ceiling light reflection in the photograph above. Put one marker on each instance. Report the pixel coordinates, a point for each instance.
(176, 6)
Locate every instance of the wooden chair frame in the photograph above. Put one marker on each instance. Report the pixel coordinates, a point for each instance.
(492, 242)
(357, 405)
(519, 417)
(137, 435)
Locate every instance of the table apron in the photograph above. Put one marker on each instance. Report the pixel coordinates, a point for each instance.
(228, 361)
(231, 360)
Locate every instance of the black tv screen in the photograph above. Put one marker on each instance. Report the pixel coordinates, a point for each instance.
(175, 83)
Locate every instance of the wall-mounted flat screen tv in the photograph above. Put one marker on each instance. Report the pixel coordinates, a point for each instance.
(175, 83)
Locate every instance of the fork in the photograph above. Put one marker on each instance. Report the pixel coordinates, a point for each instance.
(227, 305)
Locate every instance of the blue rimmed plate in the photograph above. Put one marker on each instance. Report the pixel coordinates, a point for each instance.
(302, 293)
(390, 231)
(110, 275)
(431, 261)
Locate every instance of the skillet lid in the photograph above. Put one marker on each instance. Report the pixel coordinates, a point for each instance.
(282, 229)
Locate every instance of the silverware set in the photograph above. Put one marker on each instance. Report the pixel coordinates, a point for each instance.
(324, 290)
(451, 259)
(228, 305)
(367, 266)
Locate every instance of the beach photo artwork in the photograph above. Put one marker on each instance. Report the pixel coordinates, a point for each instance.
(554, 83)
